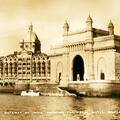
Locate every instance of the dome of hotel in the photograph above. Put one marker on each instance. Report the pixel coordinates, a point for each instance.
(30, 36)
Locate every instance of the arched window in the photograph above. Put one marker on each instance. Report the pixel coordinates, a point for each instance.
(1, 68)
(6, 68)
(39, 67)
(6, 84)
(48, 67)
(34, 68)
(43, 68)
(59, 77)
(10, 68)
(15, 68)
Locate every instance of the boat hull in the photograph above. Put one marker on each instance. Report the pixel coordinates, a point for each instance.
(29, 93)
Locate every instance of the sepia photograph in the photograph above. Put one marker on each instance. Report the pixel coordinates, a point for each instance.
(60, 60)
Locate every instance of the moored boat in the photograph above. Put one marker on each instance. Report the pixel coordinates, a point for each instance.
(29, 93)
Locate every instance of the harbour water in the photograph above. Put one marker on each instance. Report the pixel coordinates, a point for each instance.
(15, 107)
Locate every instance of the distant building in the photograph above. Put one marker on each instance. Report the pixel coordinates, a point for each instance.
(29, 64)
(88, 54)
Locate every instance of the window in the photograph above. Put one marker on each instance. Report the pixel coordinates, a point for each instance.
(1, 67)
(24, 63)
(19, 59)
(28, 68)
(33, 58)
(43, 64)
(33, 46)
(26, 46)
(23, 72)
(19, 68)
(38, 64)
(19, 63)
(102, 75)
(28, 58)
(23, 68)
(28, 63)
(43, 67)
(21, 46)
(24, 59)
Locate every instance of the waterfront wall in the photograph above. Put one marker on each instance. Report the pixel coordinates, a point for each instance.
(42, 88)
(20, 87)
(90, 88)
(6, 89)
(96, 88)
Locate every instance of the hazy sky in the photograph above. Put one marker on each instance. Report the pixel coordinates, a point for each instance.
(48, 16)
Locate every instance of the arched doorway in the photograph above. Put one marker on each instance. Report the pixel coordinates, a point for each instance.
(59, 72)
(101, 69)
(78, 68)
(102, 75)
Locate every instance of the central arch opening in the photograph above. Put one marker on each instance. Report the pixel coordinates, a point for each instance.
(78, 68)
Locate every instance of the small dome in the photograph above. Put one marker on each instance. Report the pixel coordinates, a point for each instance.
(66, 25)
(110, 24)
(30, 36)
(89, 19)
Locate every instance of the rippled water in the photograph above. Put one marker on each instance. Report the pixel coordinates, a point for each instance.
(14, 107)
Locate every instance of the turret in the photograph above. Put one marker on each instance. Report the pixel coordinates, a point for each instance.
(89, 23)
(89, 46)
(30, 28)
(65, 28)
(111, 28)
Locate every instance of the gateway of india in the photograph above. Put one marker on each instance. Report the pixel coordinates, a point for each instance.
(88, 54)
(85, 56)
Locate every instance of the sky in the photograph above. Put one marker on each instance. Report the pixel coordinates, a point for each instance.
(48, 17)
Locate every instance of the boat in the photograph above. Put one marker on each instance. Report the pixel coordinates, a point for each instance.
(29, 93)
(82, 93)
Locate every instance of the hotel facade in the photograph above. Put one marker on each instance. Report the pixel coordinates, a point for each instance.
(28, 64)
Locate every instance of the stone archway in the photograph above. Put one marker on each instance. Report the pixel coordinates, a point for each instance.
(78, 68)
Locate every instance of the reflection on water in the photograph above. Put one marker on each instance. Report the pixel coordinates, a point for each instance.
(58, 108)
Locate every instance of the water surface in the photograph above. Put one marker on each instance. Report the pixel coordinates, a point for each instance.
(14, 107)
